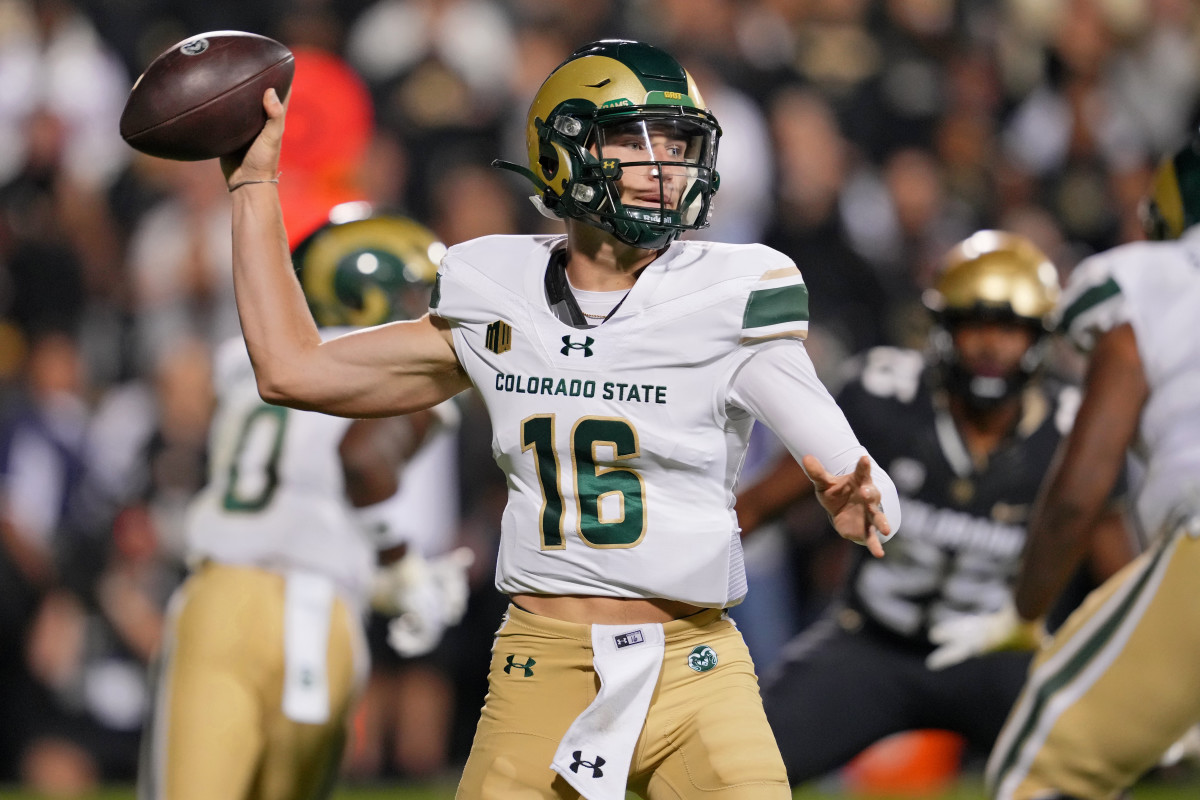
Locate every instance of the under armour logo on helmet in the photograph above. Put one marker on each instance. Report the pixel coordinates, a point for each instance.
(527, 666)
(594, 766)
(585, 346)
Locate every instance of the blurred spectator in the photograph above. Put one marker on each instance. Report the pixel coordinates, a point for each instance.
(88, 628)
(745, 161)
(808, 225)
(324, 163)
(51, 60)
(180, 263)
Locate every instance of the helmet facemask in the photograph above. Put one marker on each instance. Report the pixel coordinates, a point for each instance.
(993, 277)
(985, 392)
(645, 177)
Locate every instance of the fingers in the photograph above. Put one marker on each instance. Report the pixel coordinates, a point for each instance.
(874, 546)
(273, 105)
(862, 470)
(816, 471)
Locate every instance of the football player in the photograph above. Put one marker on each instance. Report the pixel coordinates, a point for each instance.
(967, 430)
(264, 652)
(622, 370)
(1116, 686)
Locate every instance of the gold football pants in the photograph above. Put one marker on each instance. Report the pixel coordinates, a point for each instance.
(1114, 689)
(705, 734)
(219, 730)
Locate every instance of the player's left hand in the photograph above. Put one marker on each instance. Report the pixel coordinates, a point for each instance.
(852, 503)
(971, 635)
(427, 596)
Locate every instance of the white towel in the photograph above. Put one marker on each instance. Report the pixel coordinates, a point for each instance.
(596, 751)
(308, 602)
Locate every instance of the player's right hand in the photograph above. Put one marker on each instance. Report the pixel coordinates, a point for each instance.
(260, 161)
(971, 635)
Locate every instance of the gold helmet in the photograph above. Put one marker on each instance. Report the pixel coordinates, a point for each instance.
(365, 268)
(617, 88)
(993, 276)
(1173, 205)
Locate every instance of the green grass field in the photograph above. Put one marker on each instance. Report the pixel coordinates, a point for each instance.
(1184, 786)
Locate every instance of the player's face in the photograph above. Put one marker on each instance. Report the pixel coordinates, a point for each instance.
(992, 349)
(660, 184)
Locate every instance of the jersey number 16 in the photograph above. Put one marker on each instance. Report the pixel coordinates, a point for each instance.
(610, 500)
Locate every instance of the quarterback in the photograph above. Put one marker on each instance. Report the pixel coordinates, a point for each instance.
(622, 371)
(264, 654)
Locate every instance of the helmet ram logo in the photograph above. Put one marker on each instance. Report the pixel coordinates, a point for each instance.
(367, 270)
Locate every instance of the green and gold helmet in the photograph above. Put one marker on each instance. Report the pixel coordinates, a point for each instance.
(992, 276)
(1174, 202)
(622, 110)
(365, 268)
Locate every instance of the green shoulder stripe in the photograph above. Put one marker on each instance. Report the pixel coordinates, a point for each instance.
(776, 306)
(1087, 301)
(436, 296)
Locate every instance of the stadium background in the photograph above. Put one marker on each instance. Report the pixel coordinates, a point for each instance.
(862, 138)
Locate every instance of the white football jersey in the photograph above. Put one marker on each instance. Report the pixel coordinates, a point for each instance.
(617, 441)
(1154, 286)
(275, 496)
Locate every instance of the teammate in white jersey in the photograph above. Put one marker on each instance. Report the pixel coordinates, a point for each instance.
(264, 650)
(1116, 686)
(622, 371)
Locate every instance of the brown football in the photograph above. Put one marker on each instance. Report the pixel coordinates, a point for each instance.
(202, 98)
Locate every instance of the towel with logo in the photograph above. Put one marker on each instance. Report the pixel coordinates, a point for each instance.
(596, 751)
(308, 604)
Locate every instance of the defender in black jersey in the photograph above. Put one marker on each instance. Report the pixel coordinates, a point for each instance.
(966, 432)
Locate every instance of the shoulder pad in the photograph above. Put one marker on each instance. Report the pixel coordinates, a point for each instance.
(1093, 302)
(476, 276)
(776, 304)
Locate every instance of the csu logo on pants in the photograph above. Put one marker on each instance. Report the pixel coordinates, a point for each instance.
(585, 346)
(514, 664)
(593, 765)
(702, 658)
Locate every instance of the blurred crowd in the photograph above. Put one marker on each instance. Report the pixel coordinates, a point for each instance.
(861, 137)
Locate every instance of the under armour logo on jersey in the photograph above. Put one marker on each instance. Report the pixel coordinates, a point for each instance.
(499, 337)
(585, 346)
(594, 766)
(512, 662)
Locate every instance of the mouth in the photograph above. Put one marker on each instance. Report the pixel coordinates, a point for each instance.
(652, 199)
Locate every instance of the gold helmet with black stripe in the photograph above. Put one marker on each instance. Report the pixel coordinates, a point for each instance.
(364, 267)
(618, 90)
(993, 276)
(1173, 204)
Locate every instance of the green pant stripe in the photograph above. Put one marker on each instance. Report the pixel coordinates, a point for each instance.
(1078, 662)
